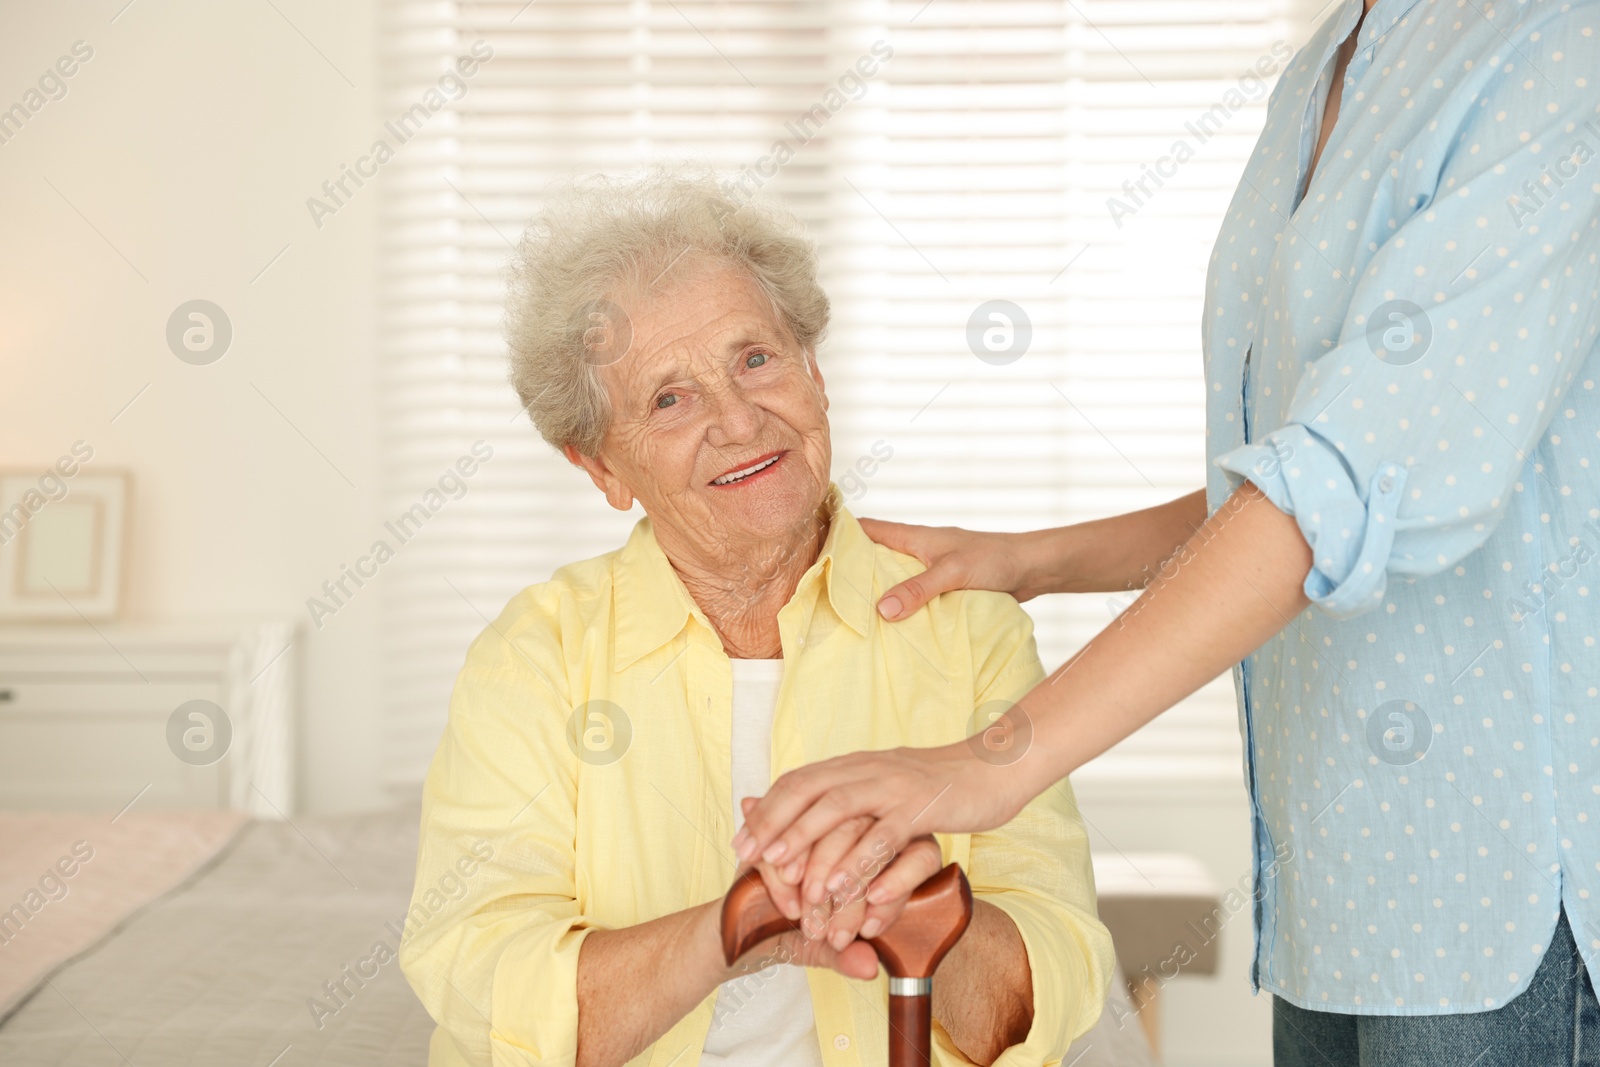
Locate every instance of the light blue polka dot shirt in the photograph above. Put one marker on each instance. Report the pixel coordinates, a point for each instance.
(1401, 359)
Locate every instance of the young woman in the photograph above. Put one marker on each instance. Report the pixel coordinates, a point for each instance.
(1405, 446)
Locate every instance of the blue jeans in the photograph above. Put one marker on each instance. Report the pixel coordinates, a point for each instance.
(1556, 1021)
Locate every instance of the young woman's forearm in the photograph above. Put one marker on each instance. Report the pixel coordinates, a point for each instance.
(1106, 555)
(1235, 583)
(1110, 555)
(1230, 587)
(984, 993)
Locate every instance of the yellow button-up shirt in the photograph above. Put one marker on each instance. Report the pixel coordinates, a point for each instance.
(584, 782)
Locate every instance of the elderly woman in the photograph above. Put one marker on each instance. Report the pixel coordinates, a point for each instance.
(664, 339)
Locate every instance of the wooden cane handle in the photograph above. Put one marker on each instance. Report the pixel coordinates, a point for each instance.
(933, 921)
(749, 917)
(935, 917)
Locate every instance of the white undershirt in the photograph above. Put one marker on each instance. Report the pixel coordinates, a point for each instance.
(762, 1019)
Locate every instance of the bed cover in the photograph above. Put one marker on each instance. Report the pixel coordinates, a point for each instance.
(259, 961)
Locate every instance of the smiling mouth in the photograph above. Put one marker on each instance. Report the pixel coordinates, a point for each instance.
(734, 477)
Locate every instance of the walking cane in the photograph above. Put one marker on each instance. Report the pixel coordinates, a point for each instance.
(934, 919)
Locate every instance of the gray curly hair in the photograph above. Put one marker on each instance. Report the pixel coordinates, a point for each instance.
(598, 237)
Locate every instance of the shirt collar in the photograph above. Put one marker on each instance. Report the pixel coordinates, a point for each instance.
(1382, 18)
(652, 605)
(1337, 26)
(1379, 21)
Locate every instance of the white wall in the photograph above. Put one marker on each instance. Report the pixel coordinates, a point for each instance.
(176, 167)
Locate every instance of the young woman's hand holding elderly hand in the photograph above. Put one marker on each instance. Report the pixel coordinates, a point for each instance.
(831, 920)
(882, 847)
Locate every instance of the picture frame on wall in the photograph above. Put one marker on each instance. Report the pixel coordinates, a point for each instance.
(62, 543)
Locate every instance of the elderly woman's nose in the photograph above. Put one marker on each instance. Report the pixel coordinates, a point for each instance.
(732, 410)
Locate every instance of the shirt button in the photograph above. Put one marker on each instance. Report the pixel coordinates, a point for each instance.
(1385, 483)
(841, 1042)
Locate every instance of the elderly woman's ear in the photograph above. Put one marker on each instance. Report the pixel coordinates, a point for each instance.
(618, 495)
(816, 376)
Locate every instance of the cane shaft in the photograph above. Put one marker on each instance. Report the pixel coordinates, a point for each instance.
(911, 1030)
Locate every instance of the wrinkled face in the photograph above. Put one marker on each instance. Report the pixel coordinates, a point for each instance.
(719, 422)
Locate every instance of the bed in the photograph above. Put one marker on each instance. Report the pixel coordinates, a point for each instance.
(240, 960)
(207, 938)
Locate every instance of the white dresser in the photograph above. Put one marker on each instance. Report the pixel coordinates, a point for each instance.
(169, 715)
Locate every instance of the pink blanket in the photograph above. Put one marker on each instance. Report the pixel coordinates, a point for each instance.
(68, 879)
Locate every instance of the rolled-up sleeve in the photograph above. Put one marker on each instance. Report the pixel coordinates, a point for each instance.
(1037, 868)
(491, 947)
(1402, 463)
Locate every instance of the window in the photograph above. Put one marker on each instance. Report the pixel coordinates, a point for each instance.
(1071, 158)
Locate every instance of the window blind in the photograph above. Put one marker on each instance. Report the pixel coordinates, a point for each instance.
(1068, 158)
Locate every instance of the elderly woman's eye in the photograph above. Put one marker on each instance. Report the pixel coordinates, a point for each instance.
(666, 400)
(756, 359)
